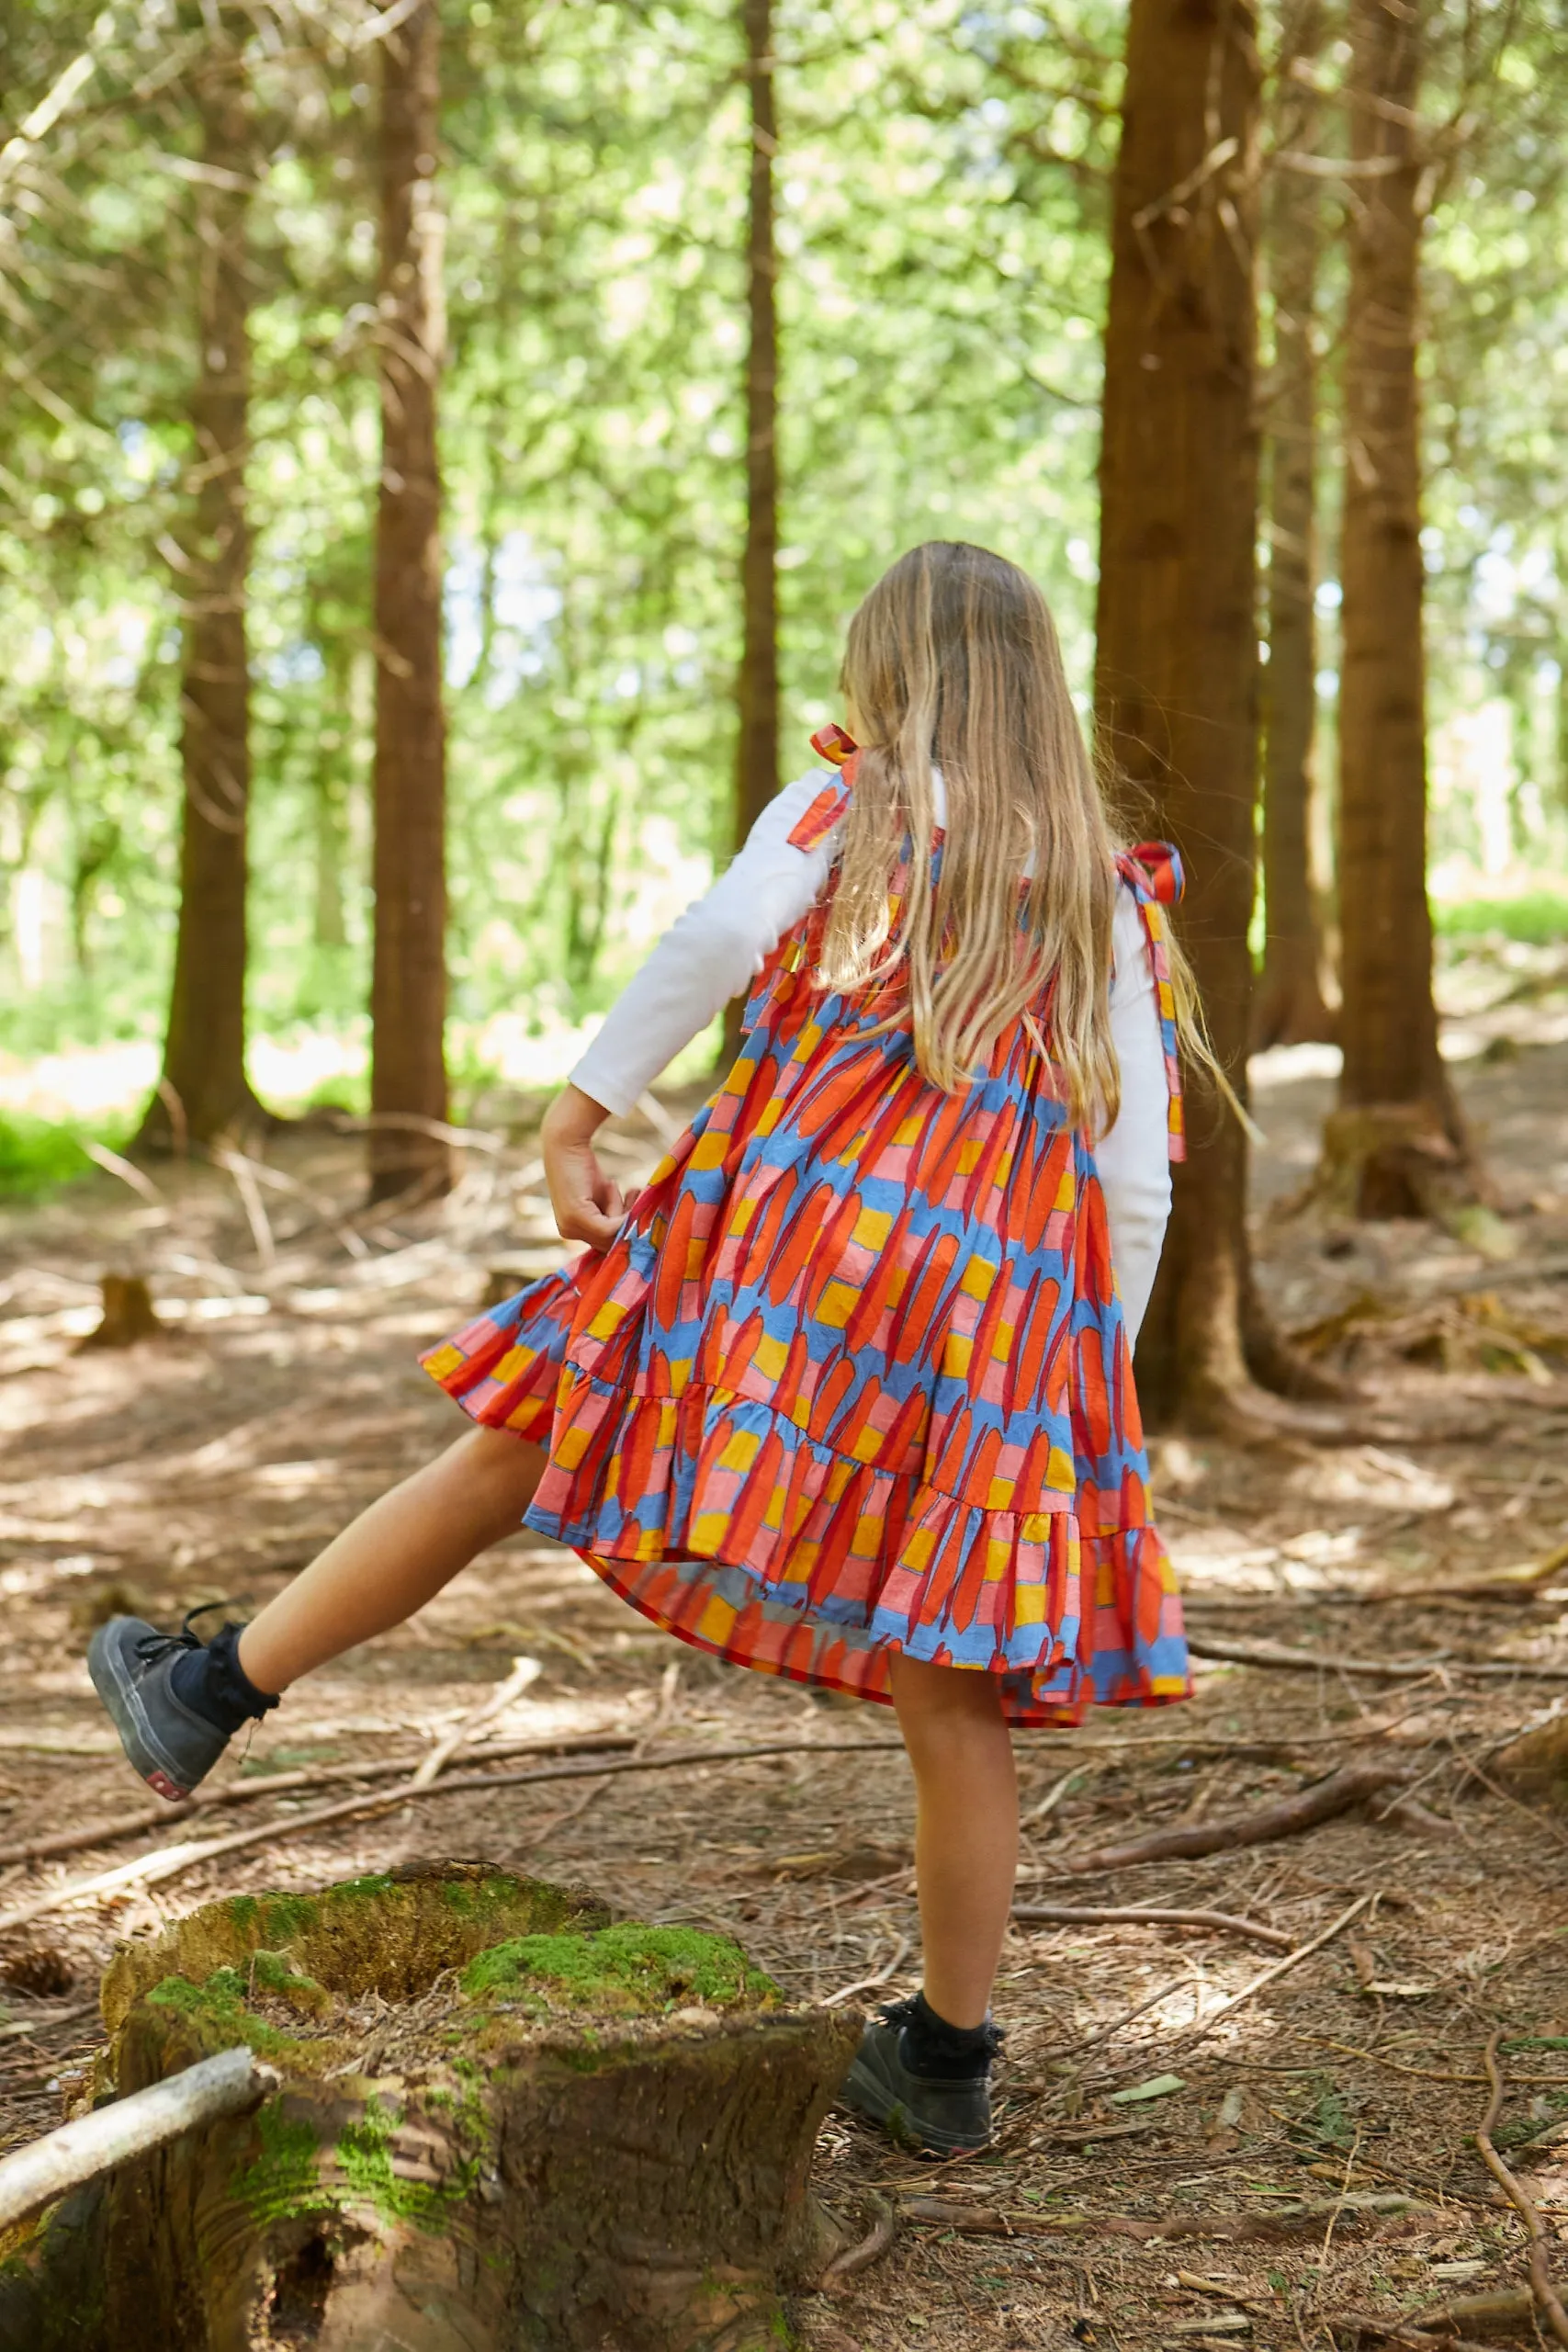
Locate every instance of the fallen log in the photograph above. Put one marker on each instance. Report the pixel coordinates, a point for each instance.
(1286, 1817)
(498, 2118)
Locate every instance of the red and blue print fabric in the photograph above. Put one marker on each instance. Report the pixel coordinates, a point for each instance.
(854, 1377)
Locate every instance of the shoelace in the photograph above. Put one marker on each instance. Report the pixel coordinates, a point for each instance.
(151, 1647)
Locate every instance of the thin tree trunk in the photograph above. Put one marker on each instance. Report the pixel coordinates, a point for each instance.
(203, 1091)
(1395, 1146)
(408, 992)
(757, 687)
(1176, 666)
(1289, 1008)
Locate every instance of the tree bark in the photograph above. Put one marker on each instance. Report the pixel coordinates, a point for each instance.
(204, 1048)
(408, 990)
(1291, 1007)
(756, 684)
(1176, 665)
(1396, 1144)
(558, 2133)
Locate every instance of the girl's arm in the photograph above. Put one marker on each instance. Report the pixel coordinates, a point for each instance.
(1132, 1157)
(712, 953)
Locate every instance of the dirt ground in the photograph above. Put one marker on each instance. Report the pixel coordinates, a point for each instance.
(1300, 2173)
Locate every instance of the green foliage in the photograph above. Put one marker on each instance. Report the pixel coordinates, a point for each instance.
(35, 1156)
(1539, 917)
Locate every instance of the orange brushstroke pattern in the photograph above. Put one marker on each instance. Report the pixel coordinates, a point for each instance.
(854, 1377)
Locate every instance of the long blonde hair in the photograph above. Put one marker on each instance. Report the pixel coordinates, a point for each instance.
(953, 661)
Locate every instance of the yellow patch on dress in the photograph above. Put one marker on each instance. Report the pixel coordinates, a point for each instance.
(570, 1448)
(709, 1531)
(1000, 1494)
(1001, 1346)
(740, 1449)
(918, 1549)
(442, 1360)
(1029, 1605)
(956, 1352)
(769, 1357)
(709, 1150)
(1060, 1473)
(978, 1277)
(837, 1304)
(716, 1622)
(872, 1228)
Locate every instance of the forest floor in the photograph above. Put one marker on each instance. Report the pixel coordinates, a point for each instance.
(1303, 2169)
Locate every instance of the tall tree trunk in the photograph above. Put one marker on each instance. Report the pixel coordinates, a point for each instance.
(757, 686)
(1289, 1008)
(203, 1091)
(408, 990)
(1395, 1146)
(1176, 665)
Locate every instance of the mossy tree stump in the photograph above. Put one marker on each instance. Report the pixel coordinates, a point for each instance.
(505, 2124)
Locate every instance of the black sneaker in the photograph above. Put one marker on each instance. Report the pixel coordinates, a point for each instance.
(132, 1667)
(940, 2113)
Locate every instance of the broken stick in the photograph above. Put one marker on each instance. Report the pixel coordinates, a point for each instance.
(1068, 1915)
(96, 2144)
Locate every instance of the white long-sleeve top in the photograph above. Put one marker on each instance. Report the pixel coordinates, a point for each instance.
(717, 948)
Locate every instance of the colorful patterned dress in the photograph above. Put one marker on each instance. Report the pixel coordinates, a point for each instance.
(854, 1377)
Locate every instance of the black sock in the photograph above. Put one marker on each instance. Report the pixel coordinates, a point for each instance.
(212, 1683)
(943, 2053)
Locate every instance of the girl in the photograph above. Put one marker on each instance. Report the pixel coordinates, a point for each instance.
(846, 1393)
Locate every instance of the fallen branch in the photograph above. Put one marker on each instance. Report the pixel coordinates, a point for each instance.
(524, 1671)
(1352, 1785)
(1277, 1653)
(1305, 2216)
(1066, 1915)
(93, 2145)
(172, 1861)
(1281, 1968)
(1546, 2297)
(111, 1829)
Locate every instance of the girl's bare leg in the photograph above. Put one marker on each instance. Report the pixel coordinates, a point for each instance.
(395, 1556)
(966, 1828)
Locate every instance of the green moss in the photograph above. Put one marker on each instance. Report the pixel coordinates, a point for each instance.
(283, 2181)
(623, 1970)
(217, 2011)
(270, 1973)
(364, 2159)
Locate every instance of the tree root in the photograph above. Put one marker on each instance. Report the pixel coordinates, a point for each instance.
(1546, 2301)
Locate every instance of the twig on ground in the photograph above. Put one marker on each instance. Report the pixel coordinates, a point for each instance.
(1350, 1785)
(524, 1671)
(18, 2028)
(1281, 1968)
(96, 2144)
(1278, 1654)
(172, 1861)
(869, 1983)
(1093, 2041)
(1286, 2221)
(1226, 1922)
(663, 1711)
(1548, 2301)
(110, 1831)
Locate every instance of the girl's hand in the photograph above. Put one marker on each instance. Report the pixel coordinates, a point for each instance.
(587, 1205)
